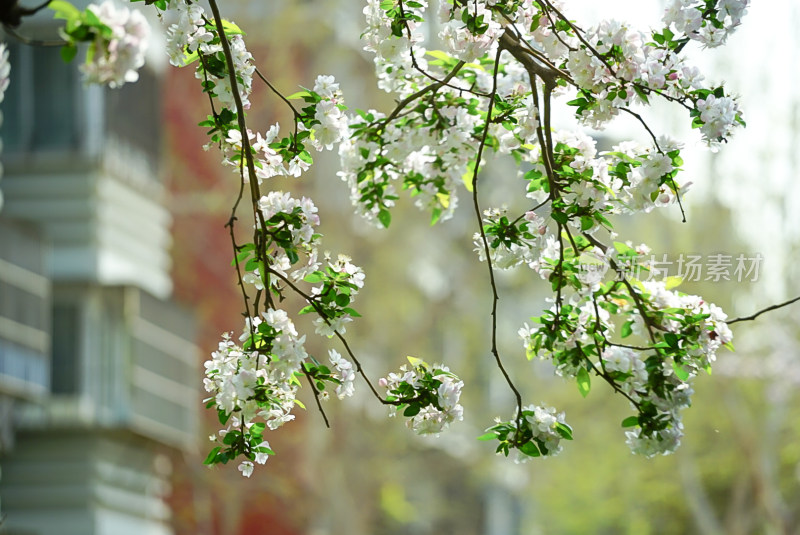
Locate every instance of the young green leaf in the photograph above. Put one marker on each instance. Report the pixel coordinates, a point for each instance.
(584, 382)
(630, 421)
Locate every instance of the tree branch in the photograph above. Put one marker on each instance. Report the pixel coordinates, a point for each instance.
(762, 311)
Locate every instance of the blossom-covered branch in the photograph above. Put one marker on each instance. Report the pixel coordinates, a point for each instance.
(503, 71)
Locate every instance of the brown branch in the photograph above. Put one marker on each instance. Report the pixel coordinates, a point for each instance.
(278, 93)
(316, 397)
(237, 99)
(508, 41)
(762, 311)
(658, 147)
(607, 378)
(631, 290)
(321, 313)
(476, 205)
(432, 87)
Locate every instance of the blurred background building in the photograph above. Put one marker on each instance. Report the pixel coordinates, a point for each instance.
(98, 367)
(100, 393)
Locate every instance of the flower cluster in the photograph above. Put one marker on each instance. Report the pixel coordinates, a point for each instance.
(708, 25)
(117, 51)
(536, 432)
(339, 283)
(615, 66)
(392, 35)
(427, 395)
(680, 337)
(117, 37)
(254, 386)
(645, 176)
(468, 31)
(291, 253)
(346, 374)
(330, 125)
(511, 243)
(590, 188)
(424, 160)
(717, 116)
(289, 231)
(257, 380)
(191, 36)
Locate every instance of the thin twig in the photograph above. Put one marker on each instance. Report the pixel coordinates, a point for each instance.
(658, 148)
(646, 127)
(278, 93)
(603, 375)
(318, 309)
(432, 87)
(316, 397)
(485, 241)
(762, 311)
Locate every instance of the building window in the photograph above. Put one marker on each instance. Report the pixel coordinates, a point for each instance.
(41, 109)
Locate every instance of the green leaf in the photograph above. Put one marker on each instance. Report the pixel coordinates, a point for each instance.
(223, 416)
(91, 18)
(307, 310)
(530, 449)
(298, 95)
(414, 361)
(672, 340)
(231, 28)
(315, 277)
(680, 371)
(564, 430)
(352, 312)
(584, 382)
(411, 410)
(630, 421)
(436, 213)
(469, 175)
(641, 94)
(438, 54)
(64, 10)
(561, 217)
(212, 455)
(627, 329)
(385, 217)
(68, 52)
(188, 59)
(488, 436)
(264, 449)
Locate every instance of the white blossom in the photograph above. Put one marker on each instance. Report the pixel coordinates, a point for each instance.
(116, 59)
